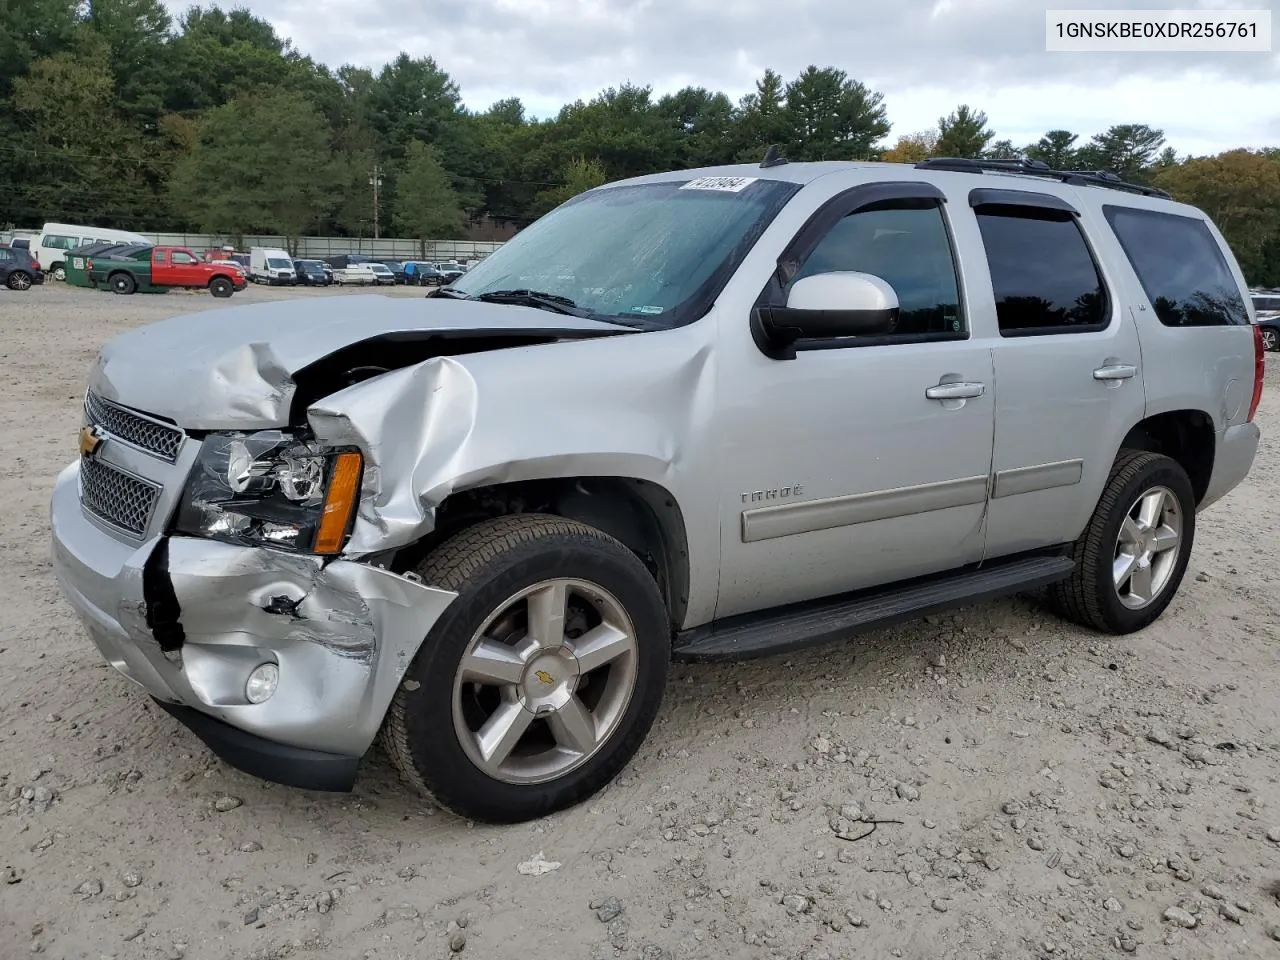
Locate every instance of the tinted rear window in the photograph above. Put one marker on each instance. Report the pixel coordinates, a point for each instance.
(1180, 266)
(1043, 274)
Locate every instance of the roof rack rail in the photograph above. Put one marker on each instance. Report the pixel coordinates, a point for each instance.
(1038, 168)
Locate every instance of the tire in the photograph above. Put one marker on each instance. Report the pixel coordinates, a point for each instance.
(18, 280)
(221, 287)
(1270, 339)
(58, 272)
(429, 728)
(123, 283)
(1091, 596)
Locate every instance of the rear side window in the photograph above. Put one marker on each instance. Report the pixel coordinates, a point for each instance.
(1044, 276)
(1180, 266)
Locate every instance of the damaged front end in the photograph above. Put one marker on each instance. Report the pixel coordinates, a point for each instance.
(282, 660)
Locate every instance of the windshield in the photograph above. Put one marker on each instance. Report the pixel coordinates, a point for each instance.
(379, 268)
(275, 263)
(653, 254)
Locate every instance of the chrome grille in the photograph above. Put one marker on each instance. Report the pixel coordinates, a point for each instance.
(156, 438)
(122, 500)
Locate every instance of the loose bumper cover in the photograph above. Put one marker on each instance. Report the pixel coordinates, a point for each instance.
(189, 619)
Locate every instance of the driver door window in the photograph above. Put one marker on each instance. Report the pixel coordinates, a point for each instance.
(910, 249)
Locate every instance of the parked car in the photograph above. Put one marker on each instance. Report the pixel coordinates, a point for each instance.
(1266, 306)
(152, 269)
(344, 525)
(357, 273)
(76, 262)
(56, 239)
(271, 266)
(18, 269)
(422, 273)
(450, 270)
(381, 273)
(397, 269)
(311, 273)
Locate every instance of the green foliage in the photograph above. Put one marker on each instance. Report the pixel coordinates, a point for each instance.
(580, 175)
(1240, 191)
(113, 113)
(1055, 149)
(261, 164)
(963, 133)
(426, 205)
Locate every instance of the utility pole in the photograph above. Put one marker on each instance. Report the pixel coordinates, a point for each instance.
(375, 181)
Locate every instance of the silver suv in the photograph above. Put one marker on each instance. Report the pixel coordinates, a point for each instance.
(708, 414)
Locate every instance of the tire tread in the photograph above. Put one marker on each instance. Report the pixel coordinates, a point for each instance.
(1075, 597)
(452, 566)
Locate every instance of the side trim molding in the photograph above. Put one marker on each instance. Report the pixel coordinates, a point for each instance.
(807, 516)
(1043, 476)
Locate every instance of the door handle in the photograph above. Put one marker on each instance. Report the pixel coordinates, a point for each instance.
(1115, 371)
(955, 391)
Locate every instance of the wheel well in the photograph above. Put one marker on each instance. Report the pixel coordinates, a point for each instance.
(1186, 436)
(642, 515)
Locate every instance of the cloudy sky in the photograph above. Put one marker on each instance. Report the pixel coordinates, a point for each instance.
(925, 56)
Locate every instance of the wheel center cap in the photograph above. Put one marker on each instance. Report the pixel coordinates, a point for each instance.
(549, 680)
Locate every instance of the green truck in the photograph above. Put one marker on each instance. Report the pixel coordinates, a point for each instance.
(157, 269)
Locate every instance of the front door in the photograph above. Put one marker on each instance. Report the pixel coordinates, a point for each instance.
(860, 461)
(1068, 369)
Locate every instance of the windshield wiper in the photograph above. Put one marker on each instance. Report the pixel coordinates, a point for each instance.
(534, 298)
(451, 293)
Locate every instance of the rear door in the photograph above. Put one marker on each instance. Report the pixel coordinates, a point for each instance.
(1068, 368)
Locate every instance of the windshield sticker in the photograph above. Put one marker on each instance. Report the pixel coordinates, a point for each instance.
(727, 184)
(646, 309)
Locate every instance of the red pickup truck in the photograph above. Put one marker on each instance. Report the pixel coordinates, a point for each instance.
(153, 269)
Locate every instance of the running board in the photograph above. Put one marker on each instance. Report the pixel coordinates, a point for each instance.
(794, 627)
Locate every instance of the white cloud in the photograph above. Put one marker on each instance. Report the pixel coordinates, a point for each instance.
(926, 56)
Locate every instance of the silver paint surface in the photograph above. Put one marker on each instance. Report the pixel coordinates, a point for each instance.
(697, 411)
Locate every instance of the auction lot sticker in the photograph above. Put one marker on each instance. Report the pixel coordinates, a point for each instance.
(727, 184)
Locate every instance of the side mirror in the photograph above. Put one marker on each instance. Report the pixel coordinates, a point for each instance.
(831, 305)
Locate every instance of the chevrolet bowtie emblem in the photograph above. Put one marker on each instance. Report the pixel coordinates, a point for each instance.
(90, 441)
(545, 677)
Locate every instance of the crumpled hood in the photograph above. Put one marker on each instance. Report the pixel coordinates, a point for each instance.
(234, 368)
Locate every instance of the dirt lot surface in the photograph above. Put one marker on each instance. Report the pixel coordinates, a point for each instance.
(1053, 793)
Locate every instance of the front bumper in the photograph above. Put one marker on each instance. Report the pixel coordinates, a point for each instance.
(188, 619)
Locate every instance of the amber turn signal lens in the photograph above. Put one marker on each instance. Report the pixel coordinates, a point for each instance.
(339, 502)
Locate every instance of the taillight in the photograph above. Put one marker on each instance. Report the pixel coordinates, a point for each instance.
(1259, 370)
(88, 264)
(35, 264)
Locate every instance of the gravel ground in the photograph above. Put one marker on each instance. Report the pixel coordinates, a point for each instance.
(1049, 792)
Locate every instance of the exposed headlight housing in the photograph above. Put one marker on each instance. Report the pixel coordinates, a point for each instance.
(272, 488)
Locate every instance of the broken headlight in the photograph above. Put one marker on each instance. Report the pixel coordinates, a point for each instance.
(271, 489)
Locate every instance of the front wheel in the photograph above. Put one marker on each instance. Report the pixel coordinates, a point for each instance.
(1133, 554)
(541, 680)
(1270, 339)
(123, 283)
(59, 271)
(221, 287)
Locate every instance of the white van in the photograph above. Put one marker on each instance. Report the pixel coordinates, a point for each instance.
(50, 248)
(271, 265)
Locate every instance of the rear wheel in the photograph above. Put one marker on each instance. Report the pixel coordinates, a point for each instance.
(542, 678)
(221, 287)
(123, 283)
(1270, 339)
(1134, 552)
(19, 281)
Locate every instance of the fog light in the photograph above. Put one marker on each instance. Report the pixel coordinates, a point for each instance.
(262, 682)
